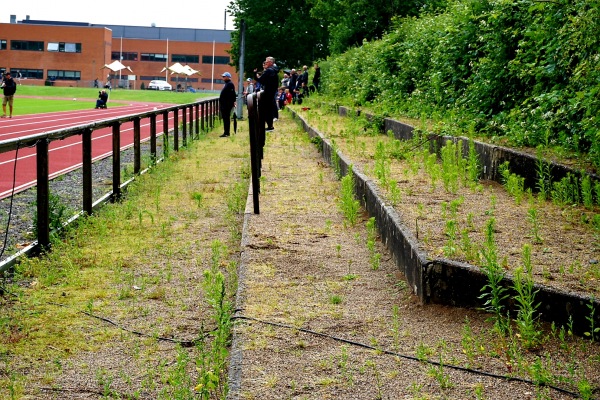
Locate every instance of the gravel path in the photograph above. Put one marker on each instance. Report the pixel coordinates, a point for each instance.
(322, 315)
(323, 312)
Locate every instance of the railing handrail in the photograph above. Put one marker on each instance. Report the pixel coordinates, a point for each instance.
(57, 134)
(205, 112)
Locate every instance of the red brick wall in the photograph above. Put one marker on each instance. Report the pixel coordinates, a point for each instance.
(97, 44)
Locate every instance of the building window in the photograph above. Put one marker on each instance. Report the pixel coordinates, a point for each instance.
(216, 81)
(185, 58)
(64, 75)
(218, 60)
(127, 55)
(64, 47)
(28, 73)
(2, 44)
(26, 45)
(152, 78)
(154, 57)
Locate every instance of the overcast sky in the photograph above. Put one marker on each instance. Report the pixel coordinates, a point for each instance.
(199, 14)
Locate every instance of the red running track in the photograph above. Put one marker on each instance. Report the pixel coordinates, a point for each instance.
(64, 155)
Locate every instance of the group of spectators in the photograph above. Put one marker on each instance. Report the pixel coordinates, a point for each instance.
(293, 87)
(290, 90)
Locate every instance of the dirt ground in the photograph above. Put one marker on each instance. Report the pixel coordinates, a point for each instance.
(320, 313)
(320, 318)
(565, 248)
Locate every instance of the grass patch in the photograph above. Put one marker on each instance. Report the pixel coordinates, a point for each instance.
(142, 273)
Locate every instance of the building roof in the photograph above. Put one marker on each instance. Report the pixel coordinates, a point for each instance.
(178, 34)
(149, 32)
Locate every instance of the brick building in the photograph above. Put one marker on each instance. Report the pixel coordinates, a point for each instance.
(74, 54)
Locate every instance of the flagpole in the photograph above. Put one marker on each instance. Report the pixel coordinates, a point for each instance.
(120, 59)
(167, 62)
(212, 81)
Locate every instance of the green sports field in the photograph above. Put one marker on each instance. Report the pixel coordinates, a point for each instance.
(40, 99)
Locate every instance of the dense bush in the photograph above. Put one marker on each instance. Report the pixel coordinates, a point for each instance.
(525, 70)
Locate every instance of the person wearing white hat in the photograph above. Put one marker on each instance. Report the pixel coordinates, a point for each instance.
(249, 88)
(226, 103)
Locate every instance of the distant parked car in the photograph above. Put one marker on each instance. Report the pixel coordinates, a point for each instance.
(159, 85)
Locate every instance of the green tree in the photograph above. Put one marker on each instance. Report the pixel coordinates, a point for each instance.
(283, 29)
(350, 22)
(526, 70)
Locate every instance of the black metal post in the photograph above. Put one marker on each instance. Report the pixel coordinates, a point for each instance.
(165, 134)
(137, 148)
(254, 154)
(153, 137)
(43, 194)
(86, 169)
(176, 130)
(197, 108)
(116, 158)
(184, 126)
(191, 112)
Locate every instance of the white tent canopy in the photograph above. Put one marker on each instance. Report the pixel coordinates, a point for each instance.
(116, 66)
(179, 69)
(190, 71)
(174, 69)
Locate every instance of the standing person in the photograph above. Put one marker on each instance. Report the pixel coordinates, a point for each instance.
(288, 97)
(292, 84)
(226, 103)
(302, 85)
(257, 87)
(317, 77)
(269, 81)
(285, 82)
(304, 76)
(9, 88)
(249, 89)
(18, 77)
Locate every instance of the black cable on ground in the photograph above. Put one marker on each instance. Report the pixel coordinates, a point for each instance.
(407, 357)
(182, 343)
(12, 197)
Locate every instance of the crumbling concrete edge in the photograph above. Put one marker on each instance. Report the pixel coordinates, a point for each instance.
(445, 281)
(234, 379)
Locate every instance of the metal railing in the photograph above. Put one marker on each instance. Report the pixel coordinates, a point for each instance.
(196, 117)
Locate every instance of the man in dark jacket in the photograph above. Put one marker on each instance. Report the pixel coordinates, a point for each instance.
(102, 99)
(227, 102)
(293, 83)
(317, 77)
(269, 81)
(9, 87)
(303, 82)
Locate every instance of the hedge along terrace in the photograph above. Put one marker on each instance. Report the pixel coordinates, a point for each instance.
(526, 73)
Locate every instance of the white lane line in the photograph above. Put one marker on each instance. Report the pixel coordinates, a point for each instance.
(36, 120)
(12, 160)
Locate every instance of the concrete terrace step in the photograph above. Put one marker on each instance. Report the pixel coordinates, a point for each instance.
(312, 307)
